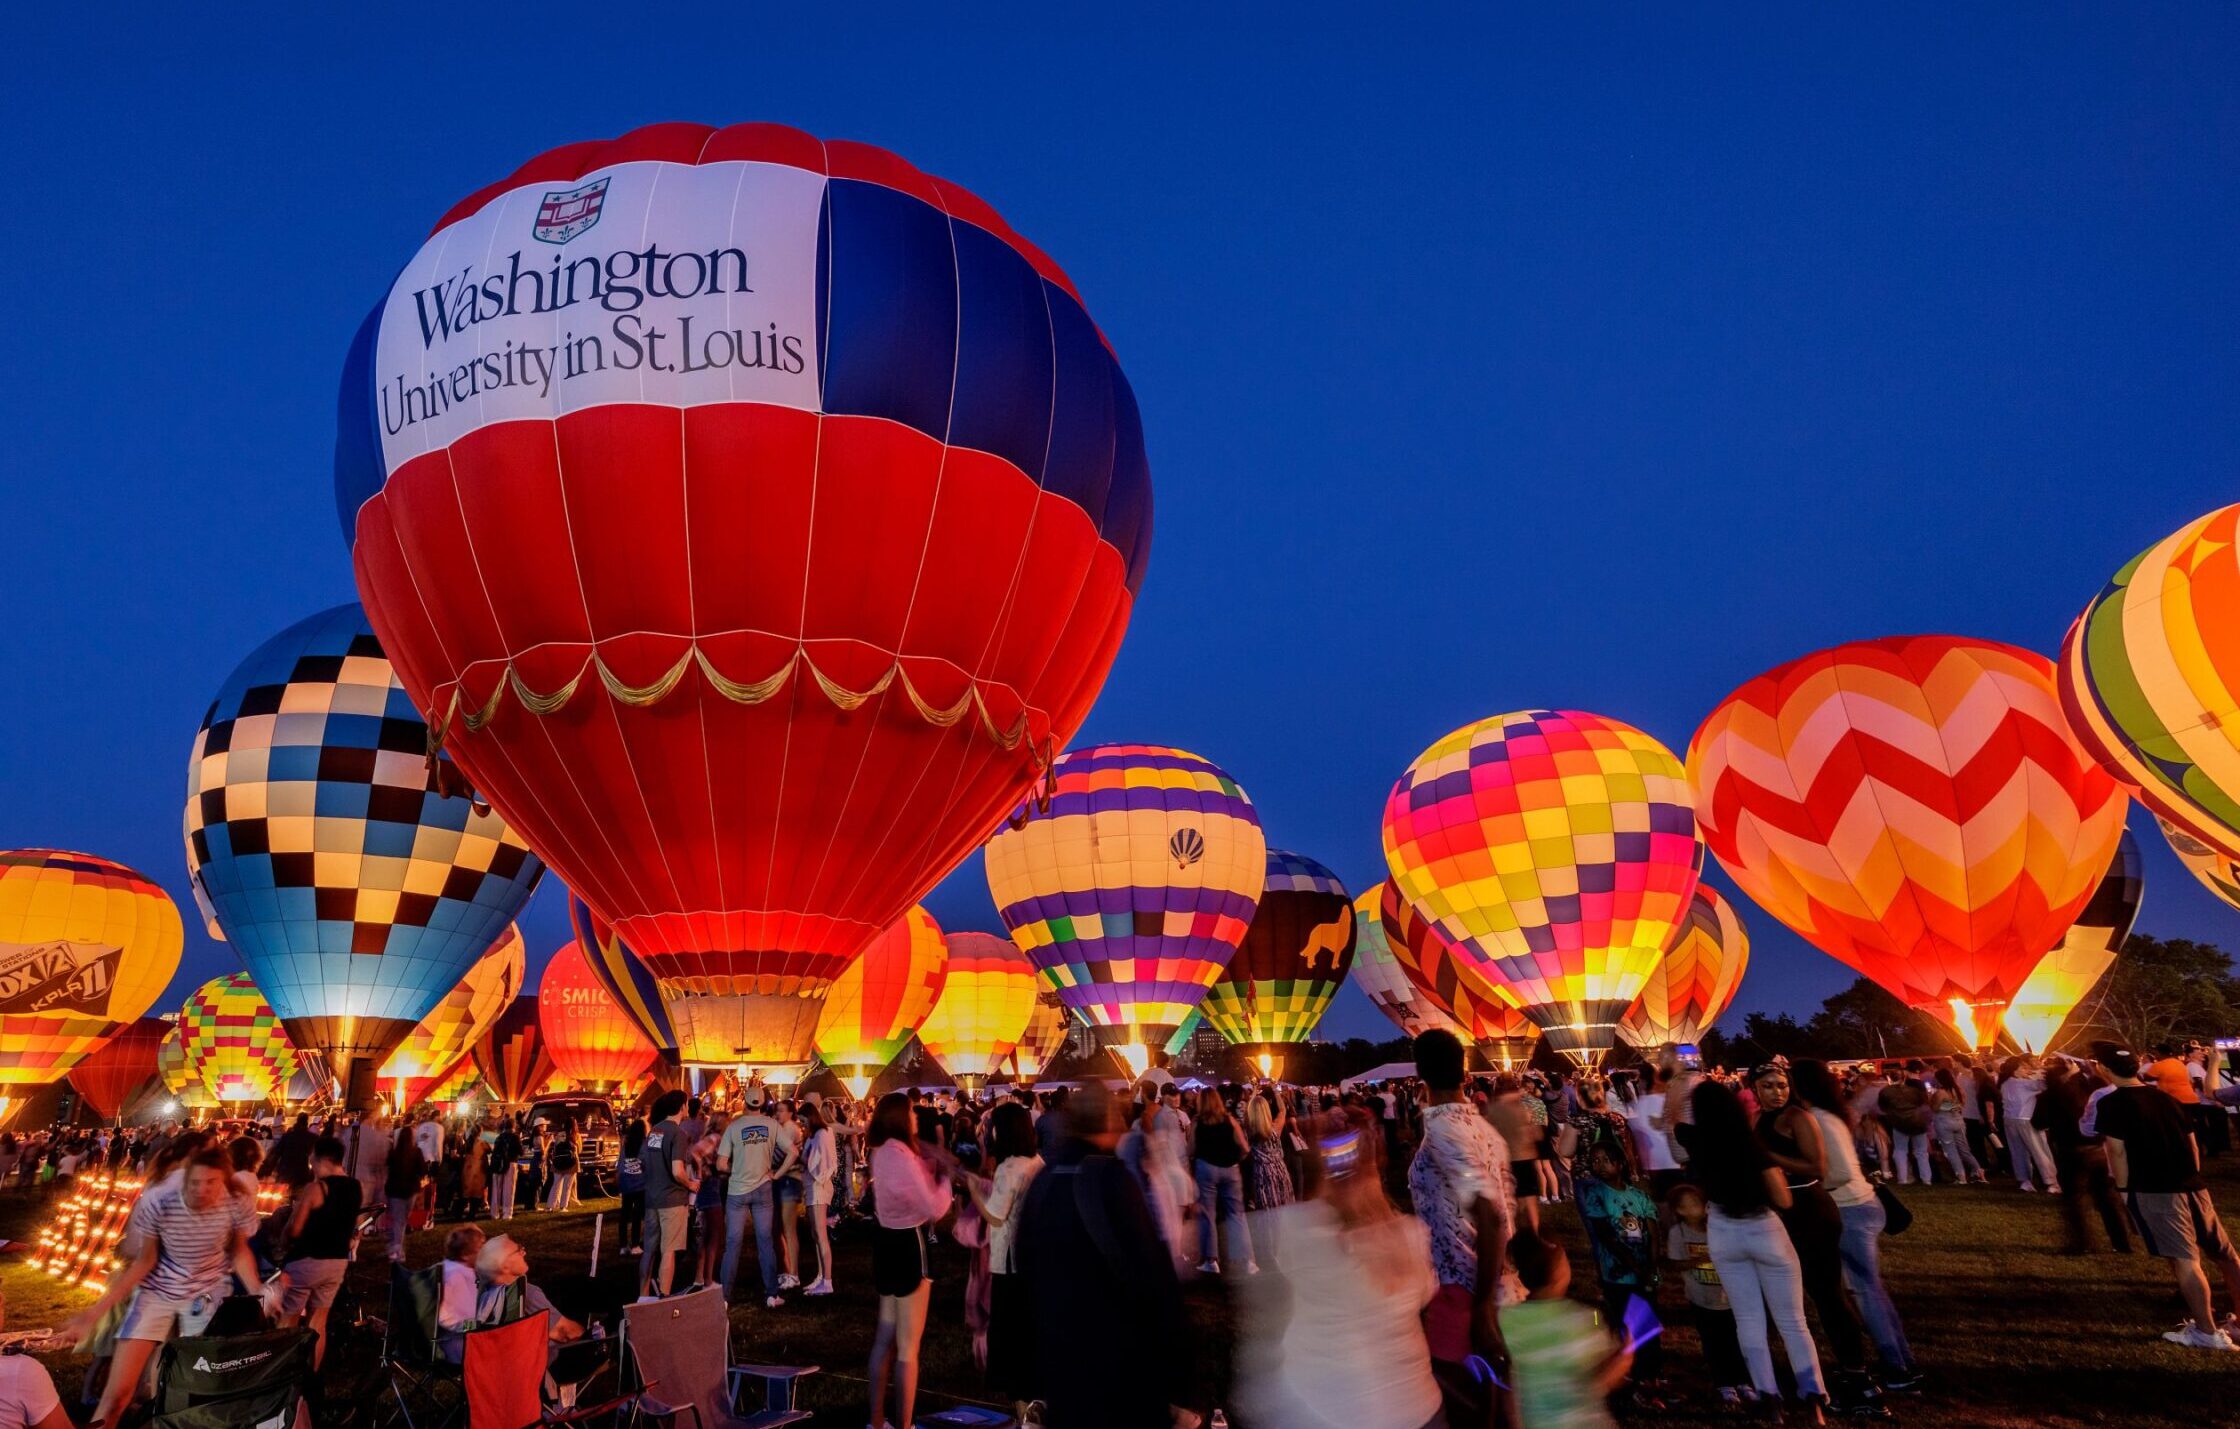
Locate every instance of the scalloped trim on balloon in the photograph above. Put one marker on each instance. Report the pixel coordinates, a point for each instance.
(742, 692)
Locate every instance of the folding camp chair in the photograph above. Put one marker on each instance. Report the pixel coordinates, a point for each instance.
(424, 1385)
(234, 1381)
(502, 1379)
(681, 1347)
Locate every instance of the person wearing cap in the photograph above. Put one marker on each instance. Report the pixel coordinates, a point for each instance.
(2157, 1168)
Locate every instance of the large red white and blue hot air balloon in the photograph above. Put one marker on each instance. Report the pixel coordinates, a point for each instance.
(755, 517)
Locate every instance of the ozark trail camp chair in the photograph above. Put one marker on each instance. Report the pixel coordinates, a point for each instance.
(254, 1381)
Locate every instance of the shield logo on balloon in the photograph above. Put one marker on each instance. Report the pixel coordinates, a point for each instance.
(563, 215)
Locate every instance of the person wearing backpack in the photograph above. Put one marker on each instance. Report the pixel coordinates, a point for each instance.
(1904, 1105)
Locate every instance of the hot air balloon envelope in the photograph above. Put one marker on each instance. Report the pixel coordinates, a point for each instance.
(86, 946)
(1293, 958)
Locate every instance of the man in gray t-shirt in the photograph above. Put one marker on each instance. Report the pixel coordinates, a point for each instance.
(751, 1153)
(669, 1187)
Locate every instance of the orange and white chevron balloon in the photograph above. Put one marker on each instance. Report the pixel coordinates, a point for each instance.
(1695, 980)
(1914, 807)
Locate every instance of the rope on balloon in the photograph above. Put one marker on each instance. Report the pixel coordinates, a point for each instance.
(741, 692)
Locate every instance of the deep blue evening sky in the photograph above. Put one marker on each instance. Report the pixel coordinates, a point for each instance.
(1484, 362)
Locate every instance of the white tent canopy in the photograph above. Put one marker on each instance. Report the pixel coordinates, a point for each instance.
(1389, 1072)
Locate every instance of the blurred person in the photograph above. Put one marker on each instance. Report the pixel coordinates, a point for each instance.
(1333, 1339)
(505, 1170)
(1794, 1141)
(2019, 1086)
(1948, 1122)
(1112, 1342)
(1905, 1109)
(1562, 1366)
(2157, 1166)
(408, 1172)
(1749, 1246)
(1689, 1246)
(2080, 1161)
(911, 1192)
(563, 1162)
(1544, 1183)
(1016, 1160)
(1219, 1156)
(1461, 1186)
(1621, 1220)
(630, 1185)
(322, 1235)
(709, 1202)
(1591, 1124)
(291, 1154)
(1653, 1147)
(189, 1238)
(1813, 1088)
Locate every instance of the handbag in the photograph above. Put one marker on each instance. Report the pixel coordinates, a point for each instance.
(1897, 1217)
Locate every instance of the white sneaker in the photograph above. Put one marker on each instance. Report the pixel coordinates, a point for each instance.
(789, 1282)
(2195, 1338)
(821, 1287)
(774, 1302)
(1209, 1267)
(635, 1250)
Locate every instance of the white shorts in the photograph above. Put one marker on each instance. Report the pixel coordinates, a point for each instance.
(159, 1317)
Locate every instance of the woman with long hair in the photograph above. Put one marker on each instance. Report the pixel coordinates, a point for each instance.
(1016, 1160)
(1949, 1120)
(1859, 1248)
(1219, 1152)
(910, 1190)
(787, 1192)
(1793, 1139)
(820, 1162)
(1267, 1181)
(1749, 1247)
(2019, 1087)
(708, 1204)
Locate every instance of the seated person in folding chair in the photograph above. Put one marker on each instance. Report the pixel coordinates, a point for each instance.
(27, 1397)
(458, 1301)
(507, 1294)
(193, 1237)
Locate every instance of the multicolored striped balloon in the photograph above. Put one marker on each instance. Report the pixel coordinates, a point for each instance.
(2150, 678)
(1045, 1036)
(512, 1056)
(880, 998)
(1131, 888)
(1696, 979)
(2213, 870)
(1916, 809)
(446, 1035)
(2082, 957)
(1556, 850)
(984, 1007)
(1385, 979)
(86, 947)
(179, 1078)
(622, 973)
(233, 1041)
(1293, 958)
(323, 846)
(1486, 1018)
(592, 1042)
(461, 1079)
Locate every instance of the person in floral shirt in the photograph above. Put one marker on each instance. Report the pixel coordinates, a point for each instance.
(1595, 1124)
(1466, 1196)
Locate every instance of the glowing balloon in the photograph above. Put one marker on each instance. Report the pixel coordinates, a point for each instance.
(1696, 979)
(446, 1035)
(1384, 978)
(2215, 872)
(234, 1042)
(1292, 960)
(592, 1041)
(461, 1080)
(86, 946)
(1556, 851)
(622, 973)
(1045, 1036)
(179, 1079)
(2150, 678)
(984, 1006)
(1486, 1018)
(1132, 886)
(512, 1056)
(1182, 1034)
(756, 516)
(880, 998)
(1913, 807)
(2082, 957)
(122, 1070)
(317, 837)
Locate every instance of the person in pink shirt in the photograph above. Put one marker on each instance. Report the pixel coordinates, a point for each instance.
(911, 1191)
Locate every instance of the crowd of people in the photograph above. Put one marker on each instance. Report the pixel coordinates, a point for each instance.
(1385, 1245)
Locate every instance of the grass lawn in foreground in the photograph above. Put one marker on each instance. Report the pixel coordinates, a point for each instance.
(2013, 1333)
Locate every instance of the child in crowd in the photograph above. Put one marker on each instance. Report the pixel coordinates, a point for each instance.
(1690, 1246)
(1621, 1220)
(1563, 1366)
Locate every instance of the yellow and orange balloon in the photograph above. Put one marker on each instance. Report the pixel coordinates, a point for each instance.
(2038, 1010)
(86, 946)
(1695, 980)
(1916, 809)
(880, 998)
(984, 1006)
(442, 1040)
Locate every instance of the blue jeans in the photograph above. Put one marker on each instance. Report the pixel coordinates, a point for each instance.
(1221, 1195)
(1862, 1271)
(762, 1205)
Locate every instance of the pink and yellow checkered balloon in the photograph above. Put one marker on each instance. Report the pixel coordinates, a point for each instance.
(1556, 850)
(234, 1042)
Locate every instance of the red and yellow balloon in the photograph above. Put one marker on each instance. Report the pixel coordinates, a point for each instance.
(1695, 980)
(593, 1042)
(880, 998)
(984, 1006)
(86, 946)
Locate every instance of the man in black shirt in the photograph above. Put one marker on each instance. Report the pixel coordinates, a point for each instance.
(2156, 1164)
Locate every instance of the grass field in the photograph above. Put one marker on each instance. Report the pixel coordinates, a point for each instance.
(2012, 1333)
